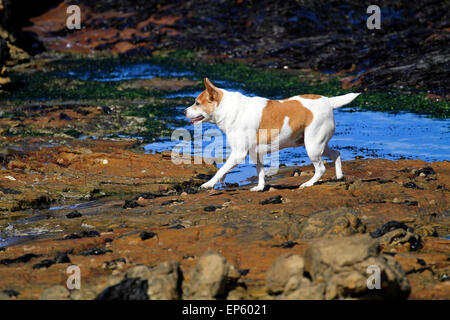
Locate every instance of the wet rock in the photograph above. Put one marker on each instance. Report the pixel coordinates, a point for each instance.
(401, 237)
(44, 264)
(424, 171)
(177, 226)
(412, 185)
(243, 272)
(95, 252)
(203, 176)
(11, 293)
(130, 204)
(388, 227)
(57, 292)
(23, 259)
(73, 214)
(211, 208)
(341, 264)
(165, 203)
(272, 200)
(338, 222)
(82, 234)
(211, 278)
(127, 289)
(282, 270)
(64, 116)
(62, 258)
(286, 245)
(144, 235)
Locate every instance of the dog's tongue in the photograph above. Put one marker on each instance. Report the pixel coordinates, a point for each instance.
(197, 119)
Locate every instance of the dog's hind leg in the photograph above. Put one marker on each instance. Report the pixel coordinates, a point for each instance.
(336, 157)
(315, 147)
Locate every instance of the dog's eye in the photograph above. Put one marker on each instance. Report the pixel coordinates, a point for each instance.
(197, 103)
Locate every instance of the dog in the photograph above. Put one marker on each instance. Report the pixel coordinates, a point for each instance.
(259, 126)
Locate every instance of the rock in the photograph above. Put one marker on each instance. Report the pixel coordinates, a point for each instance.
(211, 208)
(272, 200)
(142, 272)
(301, 288)
(401, 237)
(43, 264)
(238, 293)
(395, 233)
(164, 281)
(144, 235)
(24, 259)
(211, 278)
(338, 222)
(57, 292)
(388, 227)
(73, 214)
(94, 251)
(62, 258)
(82, 234)
(130, 204)
(127, 289)
(286, 245)
(282, 270)
(424, 171)
(11, 293)
(342, 265)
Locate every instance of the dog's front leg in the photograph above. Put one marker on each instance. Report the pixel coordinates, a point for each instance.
(234, 159)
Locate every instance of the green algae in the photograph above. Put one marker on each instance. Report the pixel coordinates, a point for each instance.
(279, 84)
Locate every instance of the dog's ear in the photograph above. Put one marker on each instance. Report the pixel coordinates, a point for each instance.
(211, 90)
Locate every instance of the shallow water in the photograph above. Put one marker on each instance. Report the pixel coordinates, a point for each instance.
(361, 133)
(130, 71)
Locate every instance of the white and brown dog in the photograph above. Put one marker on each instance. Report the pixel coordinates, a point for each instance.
(301, 120)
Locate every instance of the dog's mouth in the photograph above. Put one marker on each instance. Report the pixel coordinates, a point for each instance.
(197, 119)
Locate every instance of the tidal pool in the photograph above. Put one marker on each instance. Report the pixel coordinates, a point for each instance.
(358, 133)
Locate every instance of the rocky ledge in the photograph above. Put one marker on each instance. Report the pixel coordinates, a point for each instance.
(135, 234)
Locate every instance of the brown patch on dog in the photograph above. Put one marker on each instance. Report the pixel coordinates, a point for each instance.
(273, 116)
(310, 96)
(210, 98)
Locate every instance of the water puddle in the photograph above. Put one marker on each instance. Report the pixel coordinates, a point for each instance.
(129, 72)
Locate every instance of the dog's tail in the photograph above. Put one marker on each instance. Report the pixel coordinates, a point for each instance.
(339, 101)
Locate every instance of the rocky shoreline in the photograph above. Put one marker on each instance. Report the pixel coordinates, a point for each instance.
(134, 225)
(409, 51)
(78, 188)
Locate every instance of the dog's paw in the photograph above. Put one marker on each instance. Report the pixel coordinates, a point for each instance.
(207, 185)
(305, 185)
(257, 188)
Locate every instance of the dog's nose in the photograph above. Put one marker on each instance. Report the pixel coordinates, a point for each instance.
(185, 111)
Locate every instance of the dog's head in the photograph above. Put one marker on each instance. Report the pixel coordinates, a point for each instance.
(205, 104)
